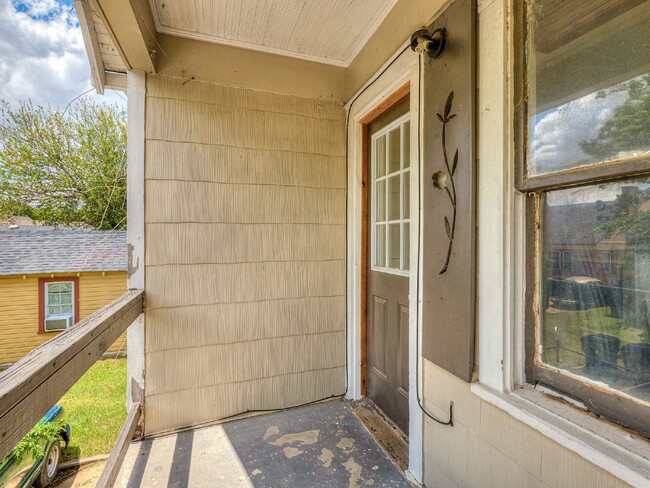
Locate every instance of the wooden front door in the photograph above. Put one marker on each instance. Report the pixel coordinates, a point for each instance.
(388, 262)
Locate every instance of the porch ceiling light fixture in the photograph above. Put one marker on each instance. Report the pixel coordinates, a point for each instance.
(423, 41)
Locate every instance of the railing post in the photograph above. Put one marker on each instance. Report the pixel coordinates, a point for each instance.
(114, 461)
(29, 388)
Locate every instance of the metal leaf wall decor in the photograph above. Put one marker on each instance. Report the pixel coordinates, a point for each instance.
(440, 178)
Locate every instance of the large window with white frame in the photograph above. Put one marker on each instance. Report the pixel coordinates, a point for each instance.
(584, 162)
(390, 195)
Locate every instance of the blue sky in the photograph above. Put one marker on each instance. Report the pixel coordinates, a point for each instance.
(42, 56)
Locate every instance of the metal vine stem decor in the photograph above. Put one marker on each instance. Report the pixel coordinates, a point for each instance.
(440, 178)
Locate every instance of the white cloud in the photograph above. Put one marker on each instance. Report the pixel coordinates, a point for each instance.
(42, 55)
(555, 140)
(40, 8)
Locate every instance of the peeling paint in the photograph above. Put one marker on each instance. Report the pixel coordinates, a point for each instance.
(346, 443)
(273, 430)
(307, 437)
(290, 452)
(131, 267)
(370, 482)
(352, 467)
(256, 472)
(326, 457)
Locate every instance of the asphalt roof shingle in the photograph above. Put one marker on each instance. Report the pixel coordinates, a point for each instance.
(41, 249)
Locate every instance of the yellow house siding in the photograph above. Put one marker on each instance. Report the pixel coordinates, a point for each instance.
(19, 317)
(245, 251)
(96, 291)
(19, 309)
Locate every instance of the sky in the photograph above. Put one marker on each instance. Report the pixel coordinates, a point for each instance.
(42, 55)
(556, 133)
(42, 58)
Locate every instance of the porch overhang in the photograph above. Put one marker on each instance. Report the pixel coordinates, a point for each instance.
(332, 49)
(118, 36)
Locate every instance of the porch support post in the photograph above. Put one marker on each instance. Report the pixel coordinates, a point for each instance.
(135, 229)
(496, 200)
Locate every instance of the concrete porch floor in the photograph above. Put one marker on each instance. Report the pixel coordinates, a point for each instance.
(321, 445)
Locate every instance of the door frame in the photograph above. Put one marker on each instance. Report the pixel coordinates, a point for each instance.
(389, 102)
(370, 101)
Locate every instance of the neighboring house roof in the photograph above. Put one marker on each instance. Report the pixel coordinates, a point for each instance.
(575, 224)
(42, 249)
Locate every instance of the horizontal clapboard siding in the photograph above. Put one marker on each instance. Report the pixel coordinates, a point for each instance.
(201, 284)
(193, 243)
(196, 405)
(203, 123)
(187, 201)
(244, 361)
(184, 161)
(245, 251)
(227, 323)
(251, 100)
(19, 309)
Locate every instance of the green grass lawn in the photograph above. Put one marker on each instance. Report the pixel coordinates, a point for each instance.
(568, 326)
(95, 409)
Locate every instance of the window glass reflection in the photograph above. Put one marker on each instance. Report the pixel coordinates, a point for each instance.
(595, 319)
(588, 83)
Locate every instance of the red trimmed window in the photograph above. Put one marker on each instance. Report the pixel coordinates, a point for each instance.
(58, 304)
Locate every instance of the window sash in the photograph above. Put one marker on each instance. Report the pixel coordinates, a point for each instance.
(612, 404)
(390, 223)
(609, 403)
(59, 302)
(559, 179)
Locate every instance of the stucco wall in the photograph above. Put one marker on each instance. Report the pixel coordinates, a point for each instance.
(245, 251)
(19, 309)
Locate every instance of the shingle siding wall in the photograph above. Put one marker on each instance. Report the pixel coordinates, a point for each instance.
(245, 251)
(19, 309)
(487, 447)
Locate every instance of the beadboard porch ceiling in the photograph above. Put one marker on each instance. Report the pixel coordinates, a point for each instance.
(331, 32)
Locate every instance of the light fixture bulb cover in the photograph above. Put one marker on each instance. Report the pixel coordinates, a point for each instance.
(433, 43)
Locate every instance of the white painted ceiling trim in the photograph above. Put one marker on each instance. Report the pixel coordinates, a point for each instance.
(313, 44)
(246, 45)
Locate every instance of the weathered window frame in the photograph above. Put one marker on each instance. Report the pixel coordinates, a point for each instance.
(606, 402)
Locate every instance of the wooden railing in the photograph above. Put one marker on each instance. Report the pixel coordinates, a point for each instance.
(29, 388)
(114, 461)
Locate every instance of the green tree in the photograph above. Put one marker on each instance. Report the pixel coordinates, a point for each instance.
(67, 166)
(629, 127)
(626, 217)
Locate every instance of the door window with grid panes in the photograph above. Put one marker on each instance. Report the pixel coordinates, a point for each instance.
(390, 164)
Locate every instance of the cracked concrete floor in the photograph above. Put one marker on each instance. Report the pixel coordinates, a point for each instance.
(322, 445)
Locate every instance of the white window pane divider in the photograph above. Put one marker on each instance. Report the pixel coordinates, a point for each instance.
(402, 174)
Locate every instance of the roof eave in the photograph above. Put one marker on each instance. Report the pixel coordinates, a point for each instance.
(91, 43)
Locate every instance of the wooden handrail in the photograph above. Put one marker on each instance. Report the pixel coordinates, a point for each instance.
(30, 387)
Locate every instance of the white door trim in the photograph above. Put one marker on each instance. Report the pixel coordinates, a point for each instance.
(403, 70)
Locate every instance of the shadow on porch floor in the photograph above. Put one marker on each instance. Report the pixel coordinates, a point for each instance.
(322, 445)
